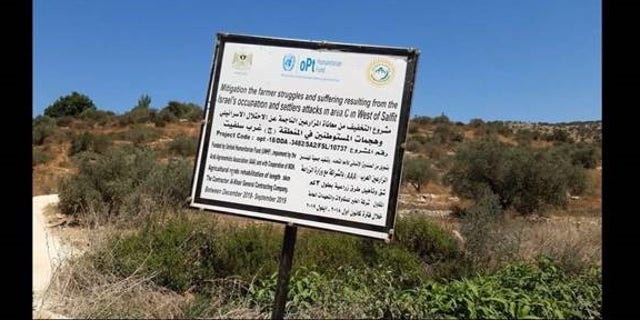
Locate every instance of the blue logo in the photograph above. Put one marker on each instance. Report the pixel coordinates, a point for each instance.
(288, 62)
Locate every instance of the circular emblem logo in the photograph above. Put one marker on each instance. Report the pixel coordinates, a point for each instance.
(380, 72)
(288, 61)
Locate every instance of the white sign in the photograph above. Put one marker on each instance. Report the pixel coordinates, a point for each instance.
(304, 132)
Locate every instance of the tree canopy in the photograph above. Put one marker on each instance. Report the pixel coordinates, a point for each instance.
(69, 105)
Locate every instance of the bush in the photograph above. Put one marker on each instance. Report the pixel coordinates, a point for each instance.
(587, 157)
(93, 116)
(100, 143)
(38, 157)
(183, 146)
(103, 186)
(518, 290)
(445, 134)
(43, 128)
(328, 252)
(421, 120)
(141, 113)
(163, 117)
(479, 225)
(187, 253)
(426, 240)
(124, 182)
(524, 136)
(173, 251)
(412, 127)
(80, 143)
(69, 105)
(476, 123)
(195, 254)
(441, 119)
(169, 185)
(525, 179)
(418, 171)
(179, 110)
(140, 134)
(64, 121)
(559, 135)
(88, 142)
(413, 145)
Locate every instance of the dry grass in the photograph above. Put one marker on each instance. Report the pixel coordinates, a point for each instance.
(575, 243)
(82, 292)
(79, 290)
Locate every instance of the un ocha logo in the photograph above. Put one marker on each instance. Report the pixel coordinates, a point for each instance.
(288, 62)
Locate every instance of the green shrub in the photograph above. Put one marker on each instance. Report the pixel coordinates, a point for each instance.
(479, 225)
(70, 105)
(43, 128)
(441, 119)
(140, 134)
(194, 254)
(418, 171)
(422, 120)
(103, 185)
(173, 251)
(163, 117)
(524, 136)
(179, 110)
(328, 251)
(183, 146)
(39, 156)
(126, 182)
(559, 135)
(413, 145)
(100, 143)
(64, 121)
(586, 156)
(446, 134)
(187, 253)
(94, 116)
(476, 123)
(426, 240)
(407, 267)
(141, 113)
(523, 178)
(169, 185)
(434, 151)
(412, 127)
(248, 252)
(210, 252)
(89, 142)
(516, 291)
(80, 143)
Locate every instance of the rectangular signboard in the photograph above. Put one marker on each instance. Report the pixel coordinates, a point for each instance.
(305, 132)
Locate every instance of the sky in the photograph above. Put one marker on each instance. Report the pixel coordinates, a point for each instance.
(534, 61)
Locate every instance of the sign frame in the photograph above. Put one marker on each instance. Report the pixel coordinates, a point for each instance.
(298, 218)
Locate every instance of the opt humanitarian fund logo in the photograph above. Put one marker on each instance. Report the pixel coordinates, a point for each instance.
(380, 72)
(242, 60)
(288, 61)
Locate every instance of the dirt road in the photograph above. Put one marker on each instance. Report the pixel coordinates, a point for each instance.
(47, 254)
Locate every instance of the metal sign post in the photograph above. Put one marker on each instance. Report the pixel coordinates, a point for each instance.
(284, 271)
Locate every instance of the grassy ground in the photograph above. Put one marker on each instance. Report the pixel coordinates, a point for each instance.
(184, 264)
